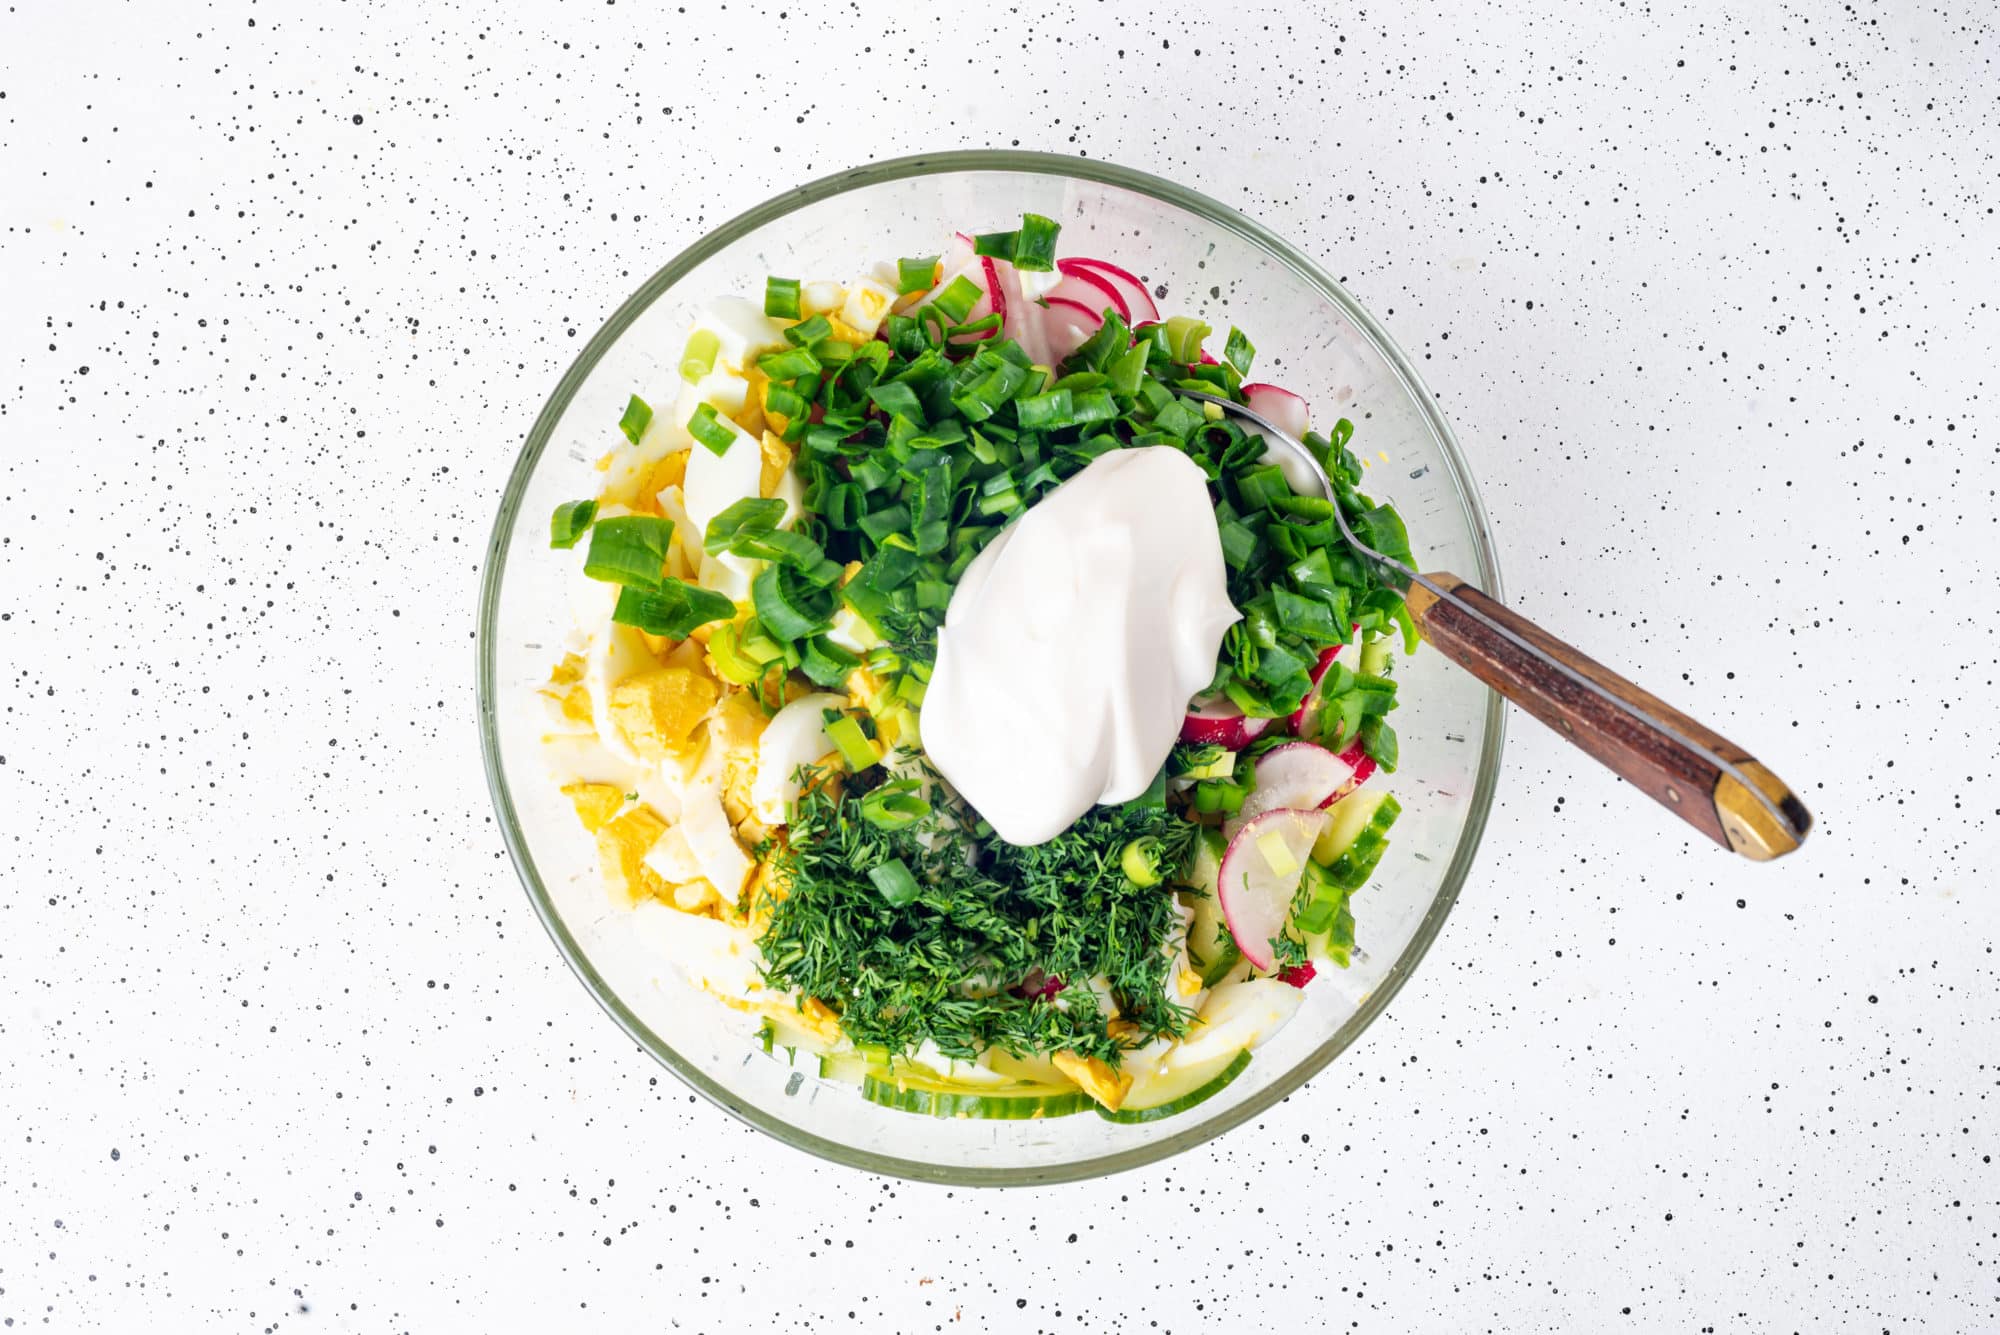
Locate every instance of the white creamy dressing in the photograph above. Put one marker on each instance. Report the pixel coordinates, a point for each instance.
(1074, 642)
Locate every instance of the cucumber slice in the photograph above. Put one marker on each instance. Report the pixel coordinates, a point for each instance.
(847, 1067)
(1212, 951)
(1178, 1090)
(937, 1099)
(1029, 1068)
(1350, 816)
(1351, 870)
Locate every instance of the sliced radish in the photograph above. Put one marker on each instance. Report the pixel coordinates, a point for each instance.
(1300, 775)
(1138, 301)
(1207, 360)
(1260, 873)
(1280, 407)
(957, 253)
(1363, 765)
(1020, 318)
(1218, 721)
(1066, 324)
(1084, 284)
(1297, 722)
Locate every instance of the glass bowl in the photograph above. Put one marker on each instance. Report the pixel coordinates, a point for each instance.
(1201, 259)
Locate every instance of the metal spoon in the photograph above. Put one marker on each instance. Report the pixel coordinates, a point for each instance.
(1705, 779)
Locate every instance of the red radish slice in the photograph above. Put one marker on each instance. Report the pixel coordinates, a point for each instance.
(1280, 407)
(1297, 975)
(1020, 318)
(1297, 722)
(1363, 765)
(957, 252)
(1222, 723)
(1260, 873)
(1299, 775)
(996, 292)
(1083, 283)
(1067, 324)
(1207, 360)
(1138, 301)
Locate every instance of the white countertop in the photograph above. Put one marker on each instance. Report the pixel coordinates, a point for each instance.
(1711, 294)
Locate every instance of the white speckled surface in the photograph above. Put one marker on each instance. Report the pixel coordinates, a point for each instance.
(1710, 294)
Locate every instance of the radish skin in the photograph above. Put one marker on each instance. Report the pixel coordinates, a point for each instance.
(1084, 284)
(1280, 407)
(1222, 723)
(1255, 897)
(1300, 776)
(1138, 301)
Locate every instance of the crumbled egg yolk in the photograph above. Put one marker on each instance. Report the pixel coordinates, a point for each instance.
(595, 803)
(777, 461)
(656, 711)
(621, 850)
(1095, 1078)
(1187, 982)
(566, 688)
(669, 472)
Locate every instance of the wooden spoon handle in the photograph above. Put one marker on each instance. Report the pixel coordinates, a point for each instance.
(1709, 792)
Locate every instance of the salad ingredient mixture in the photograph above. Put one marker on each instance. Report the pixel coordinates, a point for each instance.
(1074, 642)
(954, 692)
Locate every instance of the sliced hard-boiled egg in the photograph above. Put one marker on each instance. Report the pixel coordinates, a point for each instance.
(851, 633)
(795, 736)
(672, 859)
(713, 843)
(743, 333)
(821, 298)
(727, 574)
(717, 481)
(718, 958)
(722, 389)
(867, 304)
(615, 653)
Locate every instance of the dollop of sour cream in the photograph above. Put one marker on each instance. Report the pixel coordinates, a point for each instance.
(1074, 642)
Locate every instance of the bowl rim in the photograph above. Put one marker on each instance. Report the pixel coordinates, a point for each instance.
(931, 164)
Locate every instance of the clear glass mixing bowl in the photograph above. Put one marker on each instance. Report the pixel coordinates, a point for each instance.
(1201, 259)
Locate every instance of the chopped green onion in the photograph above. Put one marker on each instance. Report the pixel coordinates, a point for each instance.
(995, 245)
(698, 358)
(1141, 862)
(675, 609)
(788, 365)
(1238, 351)
(1184, 336)
(1035, 243)
(787, 611)
(855, 746)
(630, 549)
(898, 400)
(732, 665)
(751, 514)
(638, 416)
(895, 805)
(1045, 411)
(894, 880)
(1378, 739)
(809, 332)
(825, 662)
(781, 298)
(785, 401)
(915, 275)
(570, 522)
(958, 298)
(707, 428)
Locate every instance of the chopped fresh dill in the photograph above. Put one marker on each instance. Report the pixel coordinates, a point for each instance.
(969, 963)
